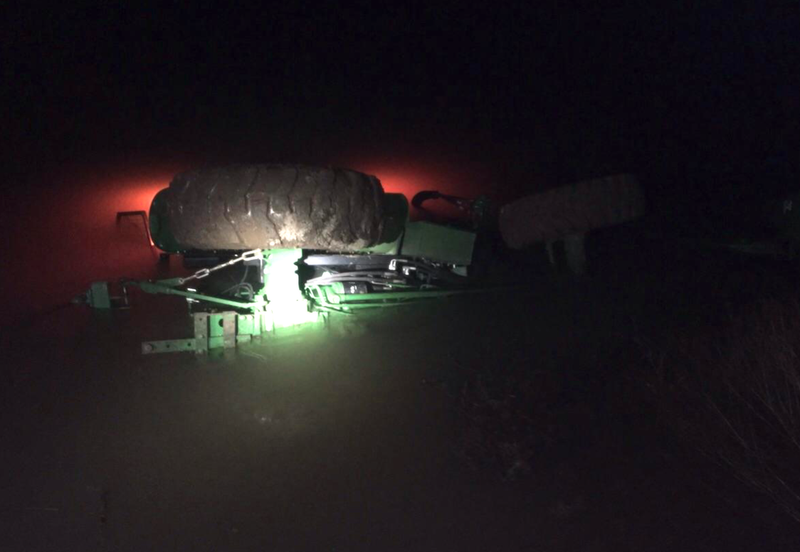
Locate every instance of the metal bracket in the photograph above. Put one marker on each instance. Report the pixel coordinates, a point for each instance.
(211, 331)
(225, 330)
(168, 346)
(98, 296)
(143, 214)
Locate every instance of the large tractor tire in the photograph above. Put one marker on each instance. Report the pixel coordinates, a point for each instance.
(571, 210)
(270, 207)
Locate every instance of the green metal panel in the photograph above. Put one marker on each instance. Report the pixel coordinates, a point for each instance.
(222, 330)
(438, 243)
(98, 296)
(249, 324)
(201, 332)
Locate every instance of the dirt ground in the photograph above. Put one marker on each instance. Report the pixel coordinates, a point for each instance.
(345, 439)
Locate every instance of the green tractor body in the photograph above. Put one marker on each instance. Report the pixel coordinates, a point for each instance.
(294, 246)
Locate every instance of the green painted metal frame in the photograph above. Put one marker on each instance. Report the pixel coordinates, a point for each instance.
(439, 243)
(331, 297)
(164, 287)
(282, 302)
(283, 305)
(211, 331)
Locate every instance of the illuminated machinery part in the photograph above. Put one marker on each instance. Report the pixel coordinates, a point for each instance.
(348, 283)
(285, 289)
(389, 261)
(273, 300)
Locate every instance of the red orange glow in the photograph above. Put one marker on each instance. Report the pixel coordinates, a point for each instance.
(72, 217)
(408, 177)
(67, 234)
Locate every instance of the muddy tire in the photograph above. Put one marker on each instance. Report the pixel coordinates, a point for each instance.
(274, 206)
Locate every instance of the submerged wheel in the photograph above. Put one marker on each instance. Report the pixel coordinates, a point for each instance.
(569, 210)
(269, 207)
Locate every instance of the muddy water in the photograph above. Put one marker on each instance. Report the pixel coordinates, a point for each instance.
(339, 440)
(322, 441)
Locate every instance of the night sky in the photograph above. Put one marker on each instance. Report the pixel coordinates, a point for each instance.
(699, 99)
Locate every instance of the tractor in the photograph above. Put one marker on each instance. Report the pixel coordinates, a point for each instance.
(278, 247)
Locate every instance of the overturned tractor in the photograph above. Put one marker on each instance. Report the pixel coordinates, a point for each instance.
(299, 245)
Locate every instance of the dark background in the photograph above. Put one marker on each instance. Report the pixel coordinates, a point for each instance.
(699, 99)
(353, 440)
(102, 104)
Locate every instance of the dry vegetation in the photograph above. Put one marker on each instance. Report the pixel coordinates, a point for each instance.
(734, 393)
